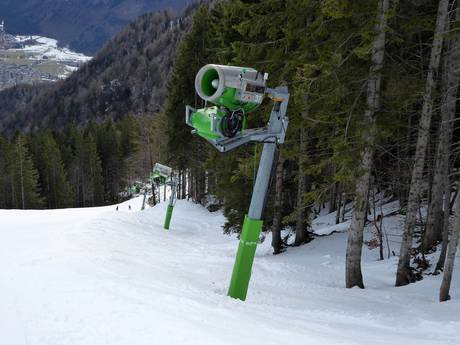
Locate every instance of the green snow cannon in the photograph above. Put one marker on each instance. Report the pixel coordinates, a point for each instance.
(136, 187)
(160, 174)
(163, 175)
(234, 91)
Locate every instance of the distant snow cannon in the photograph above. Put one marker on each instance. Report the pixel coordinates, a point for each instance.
(163, 175)
(136, 187)
(234, 91)
(160, 174)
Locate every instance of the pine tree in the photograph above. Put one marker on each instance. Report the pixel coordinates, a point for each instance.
(86, 172)
(109, 150)
(26, 187)
(7, 195)
(54, 182)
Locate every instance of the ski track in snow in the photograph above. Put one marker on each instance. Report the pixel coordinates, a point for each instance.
(98, 276)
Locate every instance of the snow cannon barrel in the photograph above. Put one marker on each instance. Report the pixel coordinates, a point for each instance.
(231, 87)
(235, 91)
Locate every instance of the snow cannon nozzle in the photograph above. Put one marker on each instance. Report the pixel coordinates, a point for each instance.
(231, 87)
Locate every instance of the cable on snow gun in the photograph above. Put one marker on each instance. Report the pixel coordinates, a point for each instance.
(234, 92)
(164, 175)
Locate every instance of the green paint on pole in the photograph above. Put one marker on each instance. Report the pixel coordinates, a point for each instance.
(244, 258)
(169, 212)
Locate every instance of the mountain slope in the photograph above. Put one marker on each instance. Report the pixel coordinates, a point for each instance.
(85, 25)
(98, 276)
(127, 77)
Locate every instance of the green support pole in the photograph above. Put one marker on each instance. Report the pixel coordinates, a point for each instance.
(169, 212)
(252, 226)
(244, 258)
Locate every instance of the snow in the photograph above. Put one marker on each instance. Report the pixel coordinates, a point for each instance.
(98, 276)
(325, 224)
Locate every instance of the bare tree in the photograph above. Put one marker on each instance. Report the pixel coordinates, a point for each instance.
(353, 275)
(404, 273)
(445, 225)
(451, 79)
(449, 266)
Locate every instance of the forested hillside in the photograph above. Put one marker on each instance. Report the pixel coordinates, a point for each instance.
(127, 77)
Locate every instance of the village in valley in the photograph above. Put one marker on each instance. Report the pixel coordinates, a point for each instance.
(31, 59)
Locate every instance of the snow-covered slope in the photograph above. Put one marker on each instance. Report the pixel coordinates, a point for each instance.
(98, 276)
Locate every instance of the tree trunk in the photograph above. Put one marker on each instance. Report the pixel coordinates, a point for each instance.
(445, 224)
(277, 243)
(449, 266)
(184, 184)
(353, 275)
(448, 107)
(201, 184)
(194, 184)
(404, 273)
(344, 206)
(179, 184)
(301, 233)
(339, 204)
(333, 195)
(378, 224)
(189, 184)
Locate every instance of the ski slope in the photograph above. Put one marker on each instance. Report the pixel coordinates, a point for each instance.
(97, 276)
